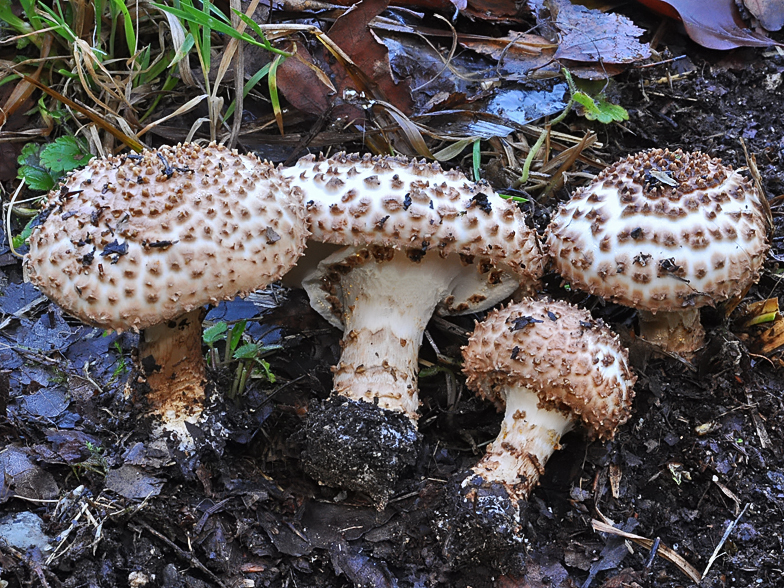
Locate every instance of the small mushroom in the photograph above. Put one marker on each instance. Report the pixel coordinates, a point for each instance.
(144, 241)
(551, 366)
(418, 239)
(665, 233)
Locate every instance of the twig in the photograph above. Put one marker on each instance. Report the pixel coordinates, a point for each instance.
(724, 537)
(663, 550)
(189, 557)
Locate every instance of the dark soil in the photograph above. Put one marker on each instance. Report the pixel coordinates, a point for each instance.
(702, 450)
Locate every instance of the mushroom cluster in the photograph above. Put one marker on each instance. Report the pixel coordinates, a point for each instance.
(666, 233)
(144, 241)
(417, 240)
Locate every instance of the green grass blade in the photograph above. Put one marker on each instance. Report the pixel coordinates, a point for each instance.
(477, 159)
(130, 34)
(192, 15)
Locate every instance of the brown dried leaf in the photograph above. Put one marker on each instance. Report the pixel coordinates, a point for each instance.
(488, 10)
(300, 82)
(513, 46)
(715, 25)
(353, 35)
(593, 36)
(769, 13)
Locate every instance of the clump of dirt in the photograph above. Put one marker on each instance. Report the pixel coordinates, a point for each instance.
(358, 446)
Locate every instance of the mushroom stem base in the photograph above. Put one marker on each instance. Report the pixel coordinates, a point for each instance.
(675, 332)
(529, 435)
(171, 361)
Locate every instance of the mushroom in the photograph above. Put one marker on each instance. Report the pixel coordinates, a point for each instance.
(144, 241)
(552, 366)
(666, 233)
(418, 239)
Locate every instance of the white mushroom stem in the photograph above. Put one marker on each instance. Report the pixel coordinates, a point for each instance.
(676, 332)
(170, 356)
(386, 306)
(529, 436)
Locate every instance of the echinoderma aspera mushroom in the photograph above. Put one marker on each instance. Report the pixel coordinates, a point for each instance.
(419, 240)
(551, 367)
(666, 233)
(144, 241)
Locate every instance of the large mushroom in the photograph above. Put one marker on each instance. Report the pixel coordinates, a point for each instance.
(666, 233)
(418, 239)
(551, 367)
(144, 241)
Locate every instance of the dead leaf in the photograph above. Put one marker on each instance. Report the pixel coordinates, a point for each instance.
(517, 53)
(353, 35)
(595, 37)
(715, 25)
(487, 10)
(132, 483)
(769, 13)
(299, 81)
(20, 476)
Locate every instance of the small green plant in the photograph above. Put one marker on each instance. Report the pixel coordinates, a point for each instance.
(249, 356)
(41, 166)
(95, 462)
(122, 366)
(252, 365)
(591, 96)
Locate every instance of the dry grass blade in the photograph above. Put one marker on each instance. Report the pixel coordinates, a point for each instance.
(178, 41)
(724, 538)
(190, 104)
(24, 88)
(664, 551)
(565, 160)
(94, 117)
(409, 129)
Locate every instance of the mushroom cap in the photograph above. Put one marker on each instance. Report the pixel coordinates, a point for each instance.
(661, 231)
(574, 363)
(413, 205)
(133, 240)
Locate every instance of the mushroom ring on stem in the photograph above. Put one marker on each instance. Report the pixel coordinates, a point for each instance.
(420, 240)
(144, 241)
(551, 366)
(665, 233)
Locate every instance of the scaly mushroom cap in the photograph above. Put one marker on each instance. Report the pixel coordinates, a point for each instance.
(574, 363)
(131, 241)
(662, 231)
(412, 205)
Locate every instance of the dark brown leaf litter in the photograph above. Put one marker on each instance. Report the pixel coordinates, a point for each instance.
(705, 440)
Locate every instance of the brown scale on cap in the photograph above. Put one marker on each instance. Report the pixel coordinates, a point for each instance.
(674, 210)
(550, 365)
(126, 237)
